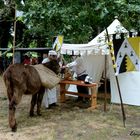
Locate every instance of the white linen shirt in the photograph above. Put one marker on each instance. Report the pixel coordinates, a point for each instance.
(45, 60)
(77, 66)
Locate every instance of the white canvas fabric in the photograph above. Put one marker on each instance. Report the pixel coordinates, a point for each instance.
(94, 65)
(129, 83)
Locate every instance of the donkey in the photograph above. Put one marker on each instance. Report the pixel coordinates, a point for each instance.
(24, 79)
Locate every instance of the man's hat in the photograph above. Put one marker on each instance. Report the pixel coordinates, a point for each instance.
(52, 52)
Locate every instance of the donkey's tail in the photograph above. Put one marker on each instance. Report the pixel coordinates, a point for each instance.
(8, 83)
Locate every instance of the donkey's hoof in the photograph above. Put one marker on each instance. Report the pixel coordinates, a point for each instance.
(31, 114)
(39, 114)
(14, 129)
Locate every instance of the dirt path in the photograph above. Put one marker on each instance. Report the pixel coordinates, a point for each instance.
(70, 121)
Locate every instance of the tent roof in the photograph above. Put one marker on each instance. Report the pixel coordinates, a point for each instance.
(114, 28)
(77, 49)
(97, 45)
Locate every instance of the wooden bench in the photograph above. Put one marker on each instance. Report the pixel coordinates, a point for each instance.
(92, 88)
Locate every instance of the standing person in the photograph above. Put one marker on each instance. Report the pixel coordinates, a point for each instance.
(50, 96)
(34, 60)
(26, 60)
(78, 67)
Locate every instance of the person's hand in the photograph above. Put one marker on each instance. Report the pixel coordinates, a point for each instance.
(63, 67)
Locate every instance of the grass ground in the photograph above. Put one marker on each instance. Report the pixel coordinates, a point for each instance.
(71, 121)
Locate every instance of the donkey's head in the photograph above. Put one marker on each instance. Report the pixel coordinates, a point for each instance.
(53, 65)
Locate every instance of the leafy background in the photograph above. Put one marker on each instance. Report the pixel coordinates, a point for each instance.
(78, 20)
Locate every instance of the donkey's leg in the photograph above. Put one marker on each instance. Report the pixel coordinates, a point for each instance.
(39, 100)
(12, 120)
(33, 102)
(9, 93)
(12, 105)
(12, 108)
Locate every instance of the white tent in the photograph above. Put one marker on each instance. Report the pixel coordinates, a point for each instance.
(95, 62)
(114, 28)
(94, 52)
(98, 44)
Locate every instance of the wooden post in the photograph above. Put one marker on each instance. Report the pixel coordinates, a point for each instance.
(105, 86)
(14, 38)
(62, 94)
(94, 97)
(113, 61)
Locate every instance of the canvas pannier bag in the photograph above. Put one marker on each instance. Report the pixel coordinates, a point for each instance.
(48, 78)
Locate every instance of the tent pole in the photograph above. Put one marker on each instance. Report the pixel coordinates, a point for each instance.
(105, 86)
(113, 62)
(14, 39)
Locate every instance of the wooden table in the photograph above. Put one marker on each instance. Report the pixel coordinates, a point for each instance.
(92, 88)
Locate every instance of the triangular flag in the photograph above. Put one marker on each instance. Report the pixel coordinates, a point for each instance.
(58, 43)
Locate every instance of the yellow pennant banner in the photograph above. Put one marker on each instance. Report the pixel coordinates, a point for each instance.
(58, 43)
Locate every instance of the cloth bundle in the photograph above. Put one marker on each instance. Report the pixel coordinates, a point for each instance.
(48, 78)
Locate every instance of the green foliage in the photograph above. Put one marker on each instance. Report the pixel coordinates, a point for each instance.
(1, 4)
(78, 20)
